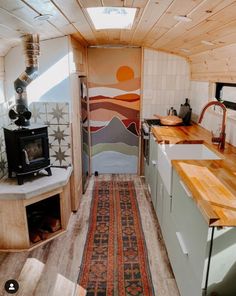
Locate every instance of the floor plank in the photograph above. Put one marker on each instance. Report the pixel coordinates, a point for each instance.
(52, 269)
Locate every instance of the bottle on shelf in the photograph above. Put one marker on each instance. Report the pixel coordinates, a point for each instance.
(187, 102)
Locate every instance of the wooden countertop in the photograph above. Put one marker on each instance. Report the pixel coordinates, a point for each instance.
(212, 183)
(179, 134)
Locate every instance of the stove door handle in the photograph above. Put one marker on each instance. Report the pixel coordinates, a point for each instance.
(26, 156)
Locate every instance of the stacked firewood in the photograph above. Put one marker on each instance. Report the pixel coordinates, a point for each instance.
(41, 226)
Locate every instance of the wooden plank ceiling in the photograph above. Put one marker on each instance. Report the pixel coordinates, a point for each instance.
(155, 25)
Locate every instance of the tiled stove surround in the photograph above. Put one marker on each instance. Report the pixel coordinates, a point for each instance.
(166, 82)
(57, 117)
(199, 95)
(3, 121)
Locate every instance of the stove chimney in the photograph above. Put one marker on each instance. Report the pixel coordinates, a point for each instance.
(31, 51)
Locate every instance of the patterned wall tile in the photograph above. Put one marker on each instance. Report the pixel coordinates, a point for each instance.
(59, 134)
(2, 141)
(60, 155)
(4, 121)
(39, 113)
(3, 164)
(57, 117)
(58, 113)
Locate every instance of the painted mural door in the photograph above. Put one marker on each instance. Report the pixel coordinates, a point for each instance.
(114, 92)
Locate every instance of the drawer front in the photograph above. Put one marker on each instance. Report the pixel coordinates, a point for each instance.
(164, 168)
(190, 226)
(186, 279)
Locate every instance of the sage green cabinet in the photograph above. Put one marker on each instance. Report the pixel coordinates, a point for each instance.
(160, 195)
(189, 240)
(150, 169)
(188, 248)
(147, 174)
(153, 168)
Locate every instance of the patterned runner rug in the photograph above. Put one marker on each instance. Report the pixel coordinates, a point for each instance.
(115, 257)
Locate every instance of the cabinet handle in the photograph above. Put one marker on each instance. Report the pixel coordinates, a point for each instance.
(181, 243)
(154, 162)
(189, 194)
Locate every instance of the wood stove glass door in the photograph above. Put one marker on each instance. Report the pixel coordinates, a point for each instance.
(34, 149)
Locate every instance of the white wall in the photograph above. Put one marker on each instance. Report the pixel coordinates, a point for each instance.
(52, 83)
(166, 82)
(200, 95)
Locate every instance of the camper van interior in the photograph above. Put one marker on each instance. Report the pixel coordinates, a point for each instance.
(118, 147)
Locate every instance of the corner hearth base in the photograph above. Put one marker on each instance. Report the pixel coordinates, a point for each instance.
(20, 177)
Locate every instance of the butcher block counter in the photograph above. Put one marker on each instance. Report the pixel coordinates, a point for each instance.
(212, 183)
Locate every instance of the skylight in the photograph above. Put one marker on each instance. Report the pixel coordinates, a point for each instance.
(112, 17)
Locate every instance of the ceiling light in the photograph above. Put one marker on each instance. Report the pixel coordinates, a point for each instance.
(207, 42)
(182, 18)
(42, 17)
(185, 50)
(112, 17)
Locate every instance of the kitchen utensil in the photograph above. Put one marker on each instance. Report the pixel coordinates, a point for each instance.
(169, 120)
(172, 111)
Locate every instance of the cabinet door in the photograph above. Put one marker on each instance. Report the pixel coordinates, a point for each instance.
(153, 182)
(191, 236)
(147, 174)
(167, 223)
(159, 199)
(222, 274)
(152, 168)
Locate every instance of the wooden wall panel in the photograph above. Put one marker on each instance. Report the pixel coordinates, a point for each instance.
(78, 66)
(78, 61)
(76, 178)
(215, 65)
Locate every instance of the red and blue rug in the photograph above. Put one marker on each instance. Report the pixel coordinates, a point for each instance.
(115, 258)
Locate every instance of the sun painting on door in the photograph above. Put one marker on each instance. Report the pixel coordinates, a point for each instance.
(114, 96)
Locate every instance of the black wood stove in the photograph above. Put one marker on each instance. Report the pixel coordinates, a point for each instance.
(27, 150)
(26, 145)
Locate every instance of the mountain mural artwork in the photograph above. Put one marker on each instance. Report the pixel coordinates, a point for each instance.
(114, 102)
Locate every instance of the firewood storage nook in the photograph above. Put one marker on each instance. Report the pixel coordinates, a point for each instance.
(35, 212)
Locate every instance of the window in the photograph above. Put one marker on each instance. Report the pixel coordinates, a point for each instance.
(112, 17)
(226, 93)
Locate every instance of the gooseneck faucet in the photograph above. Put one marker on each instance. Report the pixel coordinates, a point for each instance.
(221, 138)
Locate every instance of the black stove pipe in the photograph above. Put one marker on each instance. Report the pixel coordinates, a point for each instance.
(31, 50)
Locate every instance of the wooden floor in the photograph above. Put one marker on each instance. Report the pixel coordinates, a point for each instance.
(52, 269)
